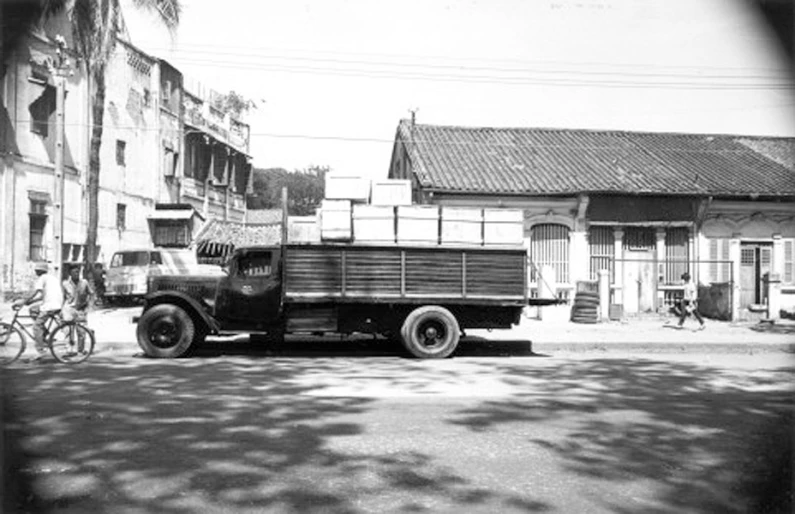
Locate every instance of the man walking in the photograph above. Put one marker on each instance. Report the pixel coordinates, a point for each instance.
(690, 302)
(77, 297)
(47, 290)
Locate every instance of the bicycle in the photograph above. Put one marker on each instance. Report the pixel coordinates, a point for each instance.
(70, 342)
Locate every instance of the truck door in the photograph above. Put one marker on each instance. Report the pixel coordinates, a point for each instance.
(251, 293)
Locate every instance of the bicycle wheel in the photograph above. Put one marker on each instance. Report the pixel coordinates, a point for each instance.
(12, 343)
(71, 342)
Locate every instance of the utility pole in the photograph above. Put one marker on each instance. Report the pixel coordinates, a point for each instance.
(59, 68)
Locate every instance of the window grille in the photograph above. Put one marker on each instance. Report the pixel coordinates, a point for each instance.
(121, 216)
(677, 253)
(38, 222)
(789, 261)
(602, 250)
(549, 246)
(639, 238)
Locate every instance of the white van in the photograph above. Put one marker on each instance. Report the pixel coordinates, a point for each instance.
(126, 277)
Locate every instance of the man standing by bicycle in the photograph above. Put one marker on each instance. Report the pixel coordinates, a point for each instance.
(47, 290)
(77, 298)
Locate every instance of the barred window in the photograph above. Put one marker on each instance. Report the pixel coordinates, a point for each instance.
(789, 261)
(549, 246)
(601, 242)
(677, 253)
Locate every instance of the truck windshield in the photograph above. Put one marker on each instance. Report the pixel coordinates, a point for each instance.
(254, 265)
(130, 259)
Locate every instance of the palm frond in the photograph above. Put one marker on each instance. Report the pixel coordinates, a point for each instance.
(169, 11)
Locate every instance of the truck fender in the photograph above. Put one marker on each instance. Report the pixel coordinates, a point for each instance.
(195, 309)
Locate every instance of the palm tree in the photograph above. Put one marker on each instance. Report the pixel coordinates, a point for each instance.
(95, 27)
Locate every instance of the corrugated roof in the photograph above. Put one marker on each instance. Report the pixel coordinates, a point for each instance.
(217, 232)
(539, 161)
(263, 216)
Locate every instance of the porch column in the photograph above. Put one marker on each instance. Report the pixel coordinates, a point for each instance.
(618, 265)
(734, 257)
(660, 258)
(578, 256)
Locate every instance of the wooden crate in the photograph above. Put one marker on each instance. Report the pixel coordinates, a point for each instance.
(391, 192)
(347, 187)
(303, 229)
(503, 227)
(418, 224)
(462, 225)
(373, 224)
(335, 220)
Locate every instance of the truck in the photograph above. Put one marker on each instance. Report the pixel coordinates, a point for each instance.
(425, 297)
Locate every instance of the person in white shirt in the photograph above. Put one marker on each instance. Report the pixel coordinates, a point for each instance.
(47, 289)
(690, 302)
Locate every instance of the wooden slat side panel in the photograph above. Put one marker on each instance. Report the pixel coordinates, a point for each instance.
(314, 271)
(434, 272)
(495, 274)
(372, 272)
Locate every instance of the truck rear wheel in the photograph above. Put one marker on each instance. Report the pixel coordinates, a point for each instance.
(430, 332)
(165, 331)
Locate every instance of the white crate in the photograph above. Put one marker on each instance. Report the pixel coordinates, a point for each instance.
(335, 220)
(462, 226)
(391, 192)
(373, 224)
(418, 224)
(503, 227)
(303, 229)
(347, 187)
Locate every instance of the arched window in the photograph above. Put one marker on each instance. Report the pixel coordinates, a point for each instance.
(549, 246)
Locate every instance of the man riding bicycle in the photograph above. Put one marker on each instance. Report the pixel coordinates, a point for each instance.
(47, 289)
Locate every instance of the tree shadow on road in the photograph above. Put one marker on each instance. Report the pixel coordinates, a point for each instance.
(222, 434)
(711, 440)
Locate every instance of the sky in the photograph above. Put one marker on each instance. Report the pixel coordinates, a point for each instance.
(333, 78)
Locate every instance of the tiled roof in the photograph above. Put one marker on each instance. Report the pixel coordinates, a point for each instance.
(533, 161)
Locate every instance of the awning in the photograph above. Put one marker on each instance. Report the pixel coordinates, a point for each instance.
(172, 214)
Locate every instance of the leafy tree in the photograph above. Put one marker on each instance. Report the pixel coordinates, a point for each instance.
(233, 103)
(19, 17)
(305, 189)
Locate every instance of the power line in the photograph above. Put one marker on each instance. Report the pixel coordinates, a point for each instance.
(517, 81)
(464, 144)
(194, 55)
(257, 51)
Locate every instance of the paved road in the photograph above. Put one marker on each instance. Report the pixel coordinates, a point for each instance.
(357, 433)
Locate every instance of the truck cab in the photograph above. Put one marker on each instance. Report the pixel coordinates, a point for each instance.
(249, 296)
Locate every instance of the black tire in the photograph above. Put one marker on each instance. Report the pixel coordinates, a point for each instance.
(583, 319)
(65, 343)
(430, 332)
(12, 343)
(165, 331)
(586, 302)
(588, 311)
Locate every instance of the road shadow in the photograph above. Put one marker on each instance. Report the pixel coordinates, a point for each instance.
(355, 347)
(774, 328)
(235, 434)
(224, 434)
(713, 442)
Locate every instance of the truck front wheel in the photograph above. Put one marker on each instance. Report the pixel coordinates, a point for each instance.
(430, 332)
(165, 331)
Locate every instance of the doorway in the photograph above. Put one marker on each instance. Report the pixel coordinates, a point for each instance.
(755, 263)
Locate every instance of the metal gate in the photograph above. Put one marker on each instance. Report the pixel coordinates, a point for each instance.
(651, 285)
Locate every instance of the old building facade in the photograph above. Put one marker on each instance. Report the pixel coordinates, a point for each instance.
(644, 207)
(150, 190)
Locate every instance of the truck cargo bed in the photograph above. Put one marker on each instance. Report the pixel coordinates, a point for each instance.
(405, 274)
